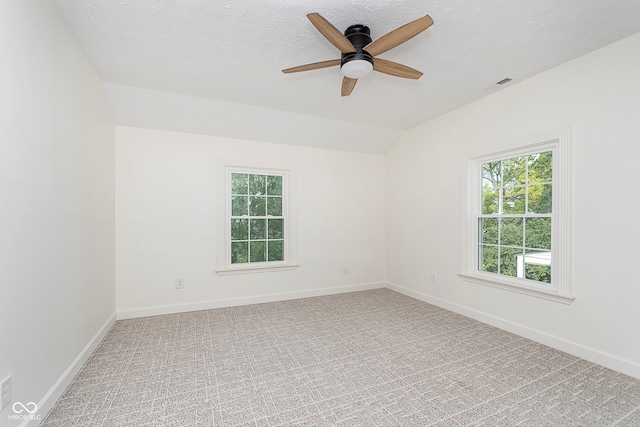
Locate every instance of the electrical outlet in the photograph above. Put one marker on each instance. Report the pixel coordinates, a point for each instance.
(5, 390)
(179, 283)
(433, 278)
(345, 270)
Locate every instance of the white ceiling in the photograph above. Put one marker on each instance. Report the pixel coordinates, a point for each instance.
(234, 50)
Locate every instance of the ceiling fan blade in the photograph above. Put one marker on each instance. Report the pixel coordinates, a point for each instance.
(348, 85)
(314, 66)
(395, 69)
(398, 36)
(331, 33)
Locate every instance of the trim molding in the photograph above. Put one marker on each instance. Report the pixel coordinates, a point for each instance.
(250, 270)
(551, 296)
(608, 360)
(232, 302)
(49, 399)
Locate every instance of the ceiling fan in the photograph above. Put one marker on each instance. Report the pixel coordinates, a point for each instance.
(359, 51)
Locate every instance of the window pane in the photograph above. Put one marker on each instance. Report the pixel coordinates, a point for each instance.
(490, 200)
(489, 231)
(239, 183)
(274, 185)
(513, 200)
(509, 261)
(276, 250)
(515, 171)
(489, 258)
(257, 185)
(239, 205)
(538, 233)
(274, 206)
(540, 167)
(258, 251)
(540, 198)
(491, 174)
(491, 182)
(511, 232)
(538, 266)
(239, 252)
(239, 229)
(257, 206)
(258, 229)
(276, 229)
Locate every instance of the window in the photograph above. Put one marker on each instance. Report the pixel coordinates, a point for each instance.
(518, 227)
(257, 221)
(514, 224)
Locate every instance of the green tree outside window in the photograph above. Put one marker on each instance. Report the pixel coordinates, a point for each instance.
(515, 222)
(257, 221)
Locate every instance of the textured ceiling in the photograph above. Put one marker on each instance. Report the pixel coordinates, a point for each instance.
(234, 50)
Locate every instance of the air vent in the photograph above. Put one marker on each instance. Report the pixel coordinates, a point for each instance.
(504, 81)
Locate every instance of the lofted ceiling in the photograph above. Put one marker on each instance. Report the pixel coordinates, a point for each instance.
(234, 50)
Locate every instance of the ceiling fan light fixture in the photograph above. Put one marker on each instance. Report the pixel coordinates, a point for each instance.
(356, 68)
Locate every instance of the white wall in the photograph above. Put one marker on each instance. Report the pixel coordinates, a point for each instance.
(167, 213)
(598, 96)
(146, 108)
(57, 202)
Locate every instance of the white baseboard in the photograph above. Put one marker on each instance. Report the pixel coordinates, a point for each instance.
(49, 399)
(232, 302)
(608, 360)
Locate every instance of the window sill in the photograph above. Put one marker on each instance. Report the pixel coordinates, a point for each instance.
(228, 271)
(539, 293)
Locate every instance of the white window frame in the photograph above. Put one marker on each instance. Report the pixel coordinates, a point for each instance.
(560, 289)
(225, 267)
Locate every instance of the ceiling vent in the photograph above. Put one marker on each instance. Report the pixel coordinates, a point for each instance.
(504, 81)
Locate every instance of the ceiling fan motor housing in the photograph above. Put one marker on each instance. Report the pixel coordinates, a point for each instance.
(359, 35)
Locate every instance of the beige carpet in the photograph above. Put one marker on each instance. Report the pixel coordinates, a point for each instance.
(372, 358)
